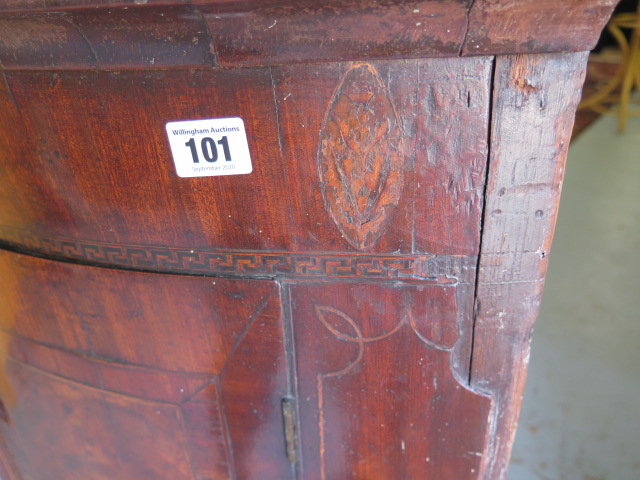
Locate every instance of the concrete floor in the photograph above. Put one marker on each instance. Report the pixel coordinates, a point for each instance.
(580, 418)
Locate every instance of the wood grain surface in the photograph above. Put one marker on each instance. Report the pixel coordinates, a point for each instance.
(357, 307)
(378, 393)
(110, 374)
(93, 143)
(360, 157)
(530, 132)
(526, 26)
(118, 374)
(156, 37)
(152, 34)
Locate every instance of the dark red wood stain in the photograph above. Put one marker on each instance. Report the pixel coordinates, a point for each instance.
(131, 375)
(142, 202)
(281, 32)
(168, 36)
(377, 390)
(523, 26)
(232, 33)
(451, 150)
(357, 307)
(110, 177)
(438, 173)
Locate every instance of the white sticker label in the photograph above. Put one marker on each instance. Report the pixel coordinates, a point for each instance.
(205, 148)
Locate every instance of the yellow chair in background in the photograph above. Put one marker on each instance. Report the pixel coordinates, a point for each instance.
(618, 91)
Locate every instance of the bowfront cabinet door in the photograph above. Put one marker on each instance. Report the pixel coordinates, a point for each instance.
(318, 320)
(380, 390)
(111, 374)
(120, 374)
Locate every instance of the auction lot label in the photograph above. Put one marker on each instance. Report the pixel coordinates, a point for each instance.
(207, 148)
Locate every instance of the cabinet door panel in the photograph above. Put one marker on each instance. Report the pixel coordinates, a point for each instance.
(114, 374)
(61, 429)
(378, 396)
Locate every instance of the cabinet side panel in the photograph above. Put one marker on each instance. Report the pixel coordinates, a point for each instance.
(535, 97)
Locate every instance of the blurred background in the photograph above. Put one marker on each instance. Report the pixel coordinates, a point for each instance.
(580, 416)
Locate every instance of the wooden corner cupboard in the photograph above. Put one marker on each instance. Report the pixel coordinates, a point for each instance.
(276, 239)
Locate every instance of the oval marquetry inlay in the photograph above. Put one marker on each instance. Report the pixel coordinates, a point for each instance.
(360, 157)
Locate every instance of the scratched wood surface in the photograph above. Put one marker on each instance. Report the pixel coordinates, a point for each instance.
(192, 371)
(110, 180)
(525, 26)
(90, 34)
(434, 174)
(530, 133)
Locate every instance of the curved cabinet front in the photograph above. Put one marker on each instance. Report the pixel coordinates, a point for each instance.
(355, 305)
(88, 173)
(111, 374)
(120, 374)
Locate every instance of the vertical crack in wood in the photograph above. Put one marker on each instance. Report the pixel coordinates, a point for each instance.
(79, 31)
(463, 44)
(476, 299)
(533, 104)
(285, 177)
(212, 44)
(9, 91)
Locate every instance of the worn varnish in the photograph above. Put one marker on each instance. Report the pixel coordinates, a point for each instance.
(167, 36)
(525, 26)
(531, 126)
(67, 153)
(187, 33)
(358, 307)
(360, 158)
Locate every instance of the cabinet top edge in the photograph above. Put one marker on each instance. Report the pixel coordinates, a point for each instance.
(78, 34)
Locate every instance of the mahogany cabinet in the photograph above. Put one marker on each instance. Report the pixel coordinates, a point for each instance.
(358, 306)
